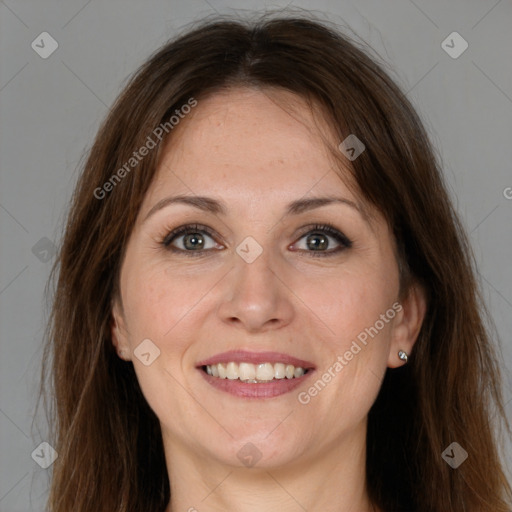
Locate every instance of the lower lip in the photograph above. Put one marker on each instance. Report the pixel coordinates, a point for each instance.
(269, 389)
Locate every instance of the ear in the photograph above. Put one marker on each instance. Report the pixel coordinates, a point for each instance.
(407, 324)
(119, 332)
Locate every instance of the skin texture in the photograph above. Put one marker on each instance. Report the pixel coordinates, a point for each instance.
(244, 148)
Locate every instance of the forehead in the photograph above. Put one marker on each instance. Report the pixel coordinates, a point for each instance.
(250, 145)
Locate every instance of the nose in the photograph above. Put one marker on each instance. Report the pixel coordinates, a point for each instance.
(256, 297)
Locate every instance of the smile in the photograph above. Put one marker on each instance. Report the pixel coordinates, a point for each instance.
(249, 374)
(254, 373)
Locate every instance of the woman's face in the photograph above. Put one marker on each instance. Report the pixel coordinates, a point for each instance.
(257, 288)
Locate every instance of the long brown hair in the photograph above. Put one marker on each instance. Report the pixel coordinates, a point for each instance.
(111, 455)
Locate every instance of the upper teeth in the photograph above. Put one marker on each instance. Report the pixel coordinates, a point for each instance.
(249, 372)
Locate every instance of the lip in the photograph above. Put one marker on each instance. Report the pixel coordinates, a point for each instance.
(269, 389)
(245, 356)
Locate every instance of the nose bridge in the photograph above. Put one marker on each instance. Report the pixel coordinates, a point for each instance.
(256, 295)
(254, 274)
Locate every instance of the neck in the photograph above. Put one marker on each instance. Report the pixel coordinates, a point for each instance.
(331, 481)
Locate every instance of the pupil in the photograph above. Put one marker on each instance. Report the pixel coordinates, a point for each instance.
(322, 244)
(194, 240)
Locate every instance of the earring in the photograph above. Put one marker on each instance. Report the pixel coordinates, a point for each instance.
(403, 356)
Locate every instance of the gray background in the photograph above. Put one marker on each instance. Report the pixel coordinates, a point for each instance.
(51, 109)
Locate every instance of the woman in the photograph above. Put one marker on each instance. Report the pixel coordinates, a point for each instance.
(265, 299)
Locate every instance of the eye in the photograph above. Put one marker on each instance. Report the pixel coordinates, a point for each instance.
(318, 240)
(190, 239)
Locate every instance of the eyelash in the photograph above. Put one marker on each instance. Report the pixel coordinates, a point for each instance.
(200, 228)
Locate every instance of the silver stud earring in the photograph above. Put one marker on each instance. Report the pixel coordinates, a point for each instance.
(403, 355)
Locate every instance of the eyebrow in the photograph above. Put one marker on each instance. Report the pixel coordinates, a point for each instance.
(216, 207)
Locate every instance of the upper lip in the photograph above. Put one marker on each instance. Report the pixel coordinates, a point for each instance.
(245, 356)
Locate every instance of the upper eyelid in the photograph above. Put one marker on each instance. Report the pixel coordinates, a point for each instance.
(197, 227)
(186, 228)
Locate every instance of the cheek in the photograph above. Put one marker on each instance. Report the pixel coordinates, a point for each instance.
(357, 308)
(355, 349)
(163, 309)
(351, 303)
(158, 299)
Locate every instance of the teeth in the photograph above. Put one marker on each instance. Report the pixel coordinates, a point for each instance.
(298, 372)
(232, 371)
(254, 373)
(246, 371)
(222, 371)
(264, 371)
(279, 371)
